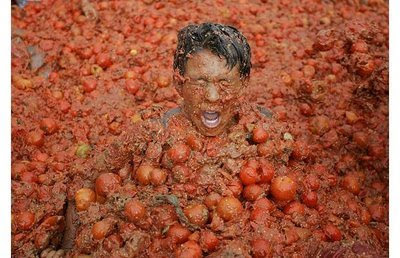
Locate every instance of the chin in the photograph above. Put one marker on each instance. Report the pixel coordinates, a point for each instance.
(211, 131)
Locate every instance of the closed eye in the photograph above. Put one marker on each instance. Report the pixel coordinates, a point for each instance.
(224, 82)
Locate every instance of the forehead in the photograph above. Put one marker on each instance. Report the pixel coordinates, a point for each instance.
(204, 63)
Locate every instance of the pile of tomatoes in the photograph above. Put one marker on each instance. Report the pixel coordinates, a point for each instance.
(85, 71)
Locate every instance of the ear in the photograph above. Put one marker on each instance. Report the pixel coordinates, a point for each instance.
(178, 81)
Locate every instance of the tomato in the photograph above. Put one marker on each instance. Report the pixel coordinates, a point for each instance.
(378, 212)
(194, 143)
(283, 188)
(300, 150)
(83, 198)
(266, 171)
(113, 242)
(189, 249)
(308, 71)
(29, 177)
(294, 207)
(197, 214)
(361, 139)
(36, 138)
(208, 241)
(89, 84)
(48, 125)
(229, 208)
(163, 80)
(312, 182)
(310, 199)
(17, 168)
(179, 153)
(143, 174)
(212, 200)
(180, 173)
(320, 125)
(25, 220)
(132, 86)
(107, 183)
(365, 216)
(103, 60)
(261, 248)
(101, 229)
(158, 176)
(135, 210)
(332, 232)
(178, 233)
(359, 46)
(264, 203)
(252, 192)
(352, 183)
(260, 135)
(248, 175)
(42, 240)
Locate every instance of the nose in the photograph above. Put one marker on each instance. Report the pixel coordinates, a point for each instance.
(212, 93)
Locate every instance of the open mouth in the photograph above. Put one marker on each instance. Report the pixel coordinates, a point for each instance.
(211, 119)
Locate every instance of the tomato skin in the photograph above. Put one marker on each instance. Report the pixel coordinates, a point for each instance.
(132, 86)
(378, 212)
(264, 203)
(197, 214)
(252, 192)
(107, 183)
(208, 241)
(179, 153)
(266, 171)
(36, 138)
(178, 233)
(261, 248)
(112, 242)
(89, 84)
(194, 143)
(48, 125)
(352, 184)
(332, 232)
(180, 173)
(229, 208)
(294, 207)
(158, 176)
(260, 135)
(312, 182)
(83, 198)
(310, 199)
(29, 177)
(283, 188)
(189, 249)
(143, 174)
(212, 200)
(25, 220)
(135, 210)
(248, 175)
(103, 60)
(101, 229)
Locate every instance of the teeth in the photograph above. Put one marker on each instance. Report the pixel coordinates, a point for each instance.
(210, 119)
(210, 115)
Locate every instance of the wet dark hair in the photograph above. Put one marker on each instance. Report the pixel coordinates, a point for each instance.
(222, 40)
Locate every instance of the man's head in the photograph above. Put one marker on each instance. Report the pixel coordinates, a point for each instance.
(212, 68)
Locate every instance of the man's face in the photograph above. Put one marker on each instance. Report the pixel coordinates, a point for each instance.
(210, 91)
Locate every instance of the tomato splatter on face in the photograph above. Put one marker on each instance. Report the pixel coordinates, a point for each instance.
(210, 91)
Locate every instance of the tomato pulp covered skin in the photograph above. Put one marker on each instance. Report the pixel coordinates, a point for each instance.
(95, 69)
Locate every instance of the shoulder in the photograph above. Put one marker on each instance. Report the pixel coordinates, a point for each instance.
(254, 111)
